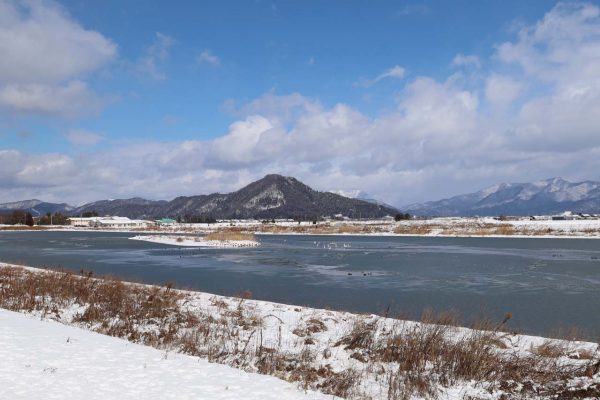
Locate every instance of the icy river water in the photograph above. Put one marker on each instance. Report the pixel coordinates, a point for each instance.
(547, 284)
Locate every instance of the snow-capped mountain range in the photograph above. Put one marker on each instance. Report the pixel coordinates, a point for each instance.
(277, 196)
(548, 196)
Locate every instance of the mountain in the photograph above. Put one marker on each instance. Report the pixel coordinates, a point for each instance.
(549, 196)
(36, 207)
(360, 195)
(273, 196)
(133, 208)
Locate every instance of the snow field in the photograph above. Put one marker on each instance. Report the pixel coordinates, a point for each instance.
(187, 241)
(43, 359)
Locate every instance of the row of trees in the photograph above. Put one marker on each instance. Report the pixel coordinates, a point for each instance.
(196, 219)
(20, 217)
(53, 219)
(60, 219)
(17, 217)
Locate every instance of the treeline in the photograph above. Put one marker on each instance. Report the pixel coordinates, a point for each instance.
(53, 219)
(196, 219)
(17, 217)
(20, 217)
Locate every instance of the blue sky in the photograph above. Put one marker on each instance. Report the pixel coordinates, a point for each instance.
(440, 97)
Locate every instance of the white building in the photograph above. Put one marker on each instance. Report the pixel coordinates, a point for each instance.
(109, 222)
(76, 221)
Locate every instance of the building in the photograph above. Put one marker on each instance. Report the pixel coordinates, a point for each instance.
(566, 216)
(83, 222)
(108, 222)
(165, 221)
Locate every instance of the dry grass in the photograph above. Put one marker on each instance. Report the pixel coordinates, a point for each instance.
(470, 229)
(230, 235)
(324, 228)
(157, 316)
(404, 358)
(107, 305)
(22, 228)
(424, 229)
(550, 349)
(309, 327)
(430, 355)
(480, 229)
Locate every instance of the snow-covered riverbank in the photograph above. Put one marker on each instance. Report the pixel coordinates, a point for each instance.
(442, 227)
(358, 356)
(44, 359)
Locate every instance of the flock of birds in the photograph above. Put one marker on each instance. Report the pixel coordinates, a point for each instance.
(332, 245)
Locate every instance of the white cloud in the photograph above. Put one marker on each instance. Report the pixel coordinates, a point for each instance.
(283, 108)
(561, 55)
(396, 72)
(563, 45)
(462, 60)
(437, 139)
(414, 8)
(45, 56)
(240, 146)
(39, 42)
(152, 63)
(207, 57)
(70, 99)
(502, 90)
(21, 171)
(83, 138)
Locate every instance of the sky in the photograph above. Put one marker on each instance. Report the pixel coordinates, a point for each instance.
(407, 101)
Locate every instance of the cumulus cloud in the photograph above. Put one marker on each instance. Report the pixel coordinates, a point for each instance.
(561, 54)
(39, 42)
(241, 145)
(208, 58)
(45, 56)
(20, 170)
(502, 90)
(438, 138)
(562, 46)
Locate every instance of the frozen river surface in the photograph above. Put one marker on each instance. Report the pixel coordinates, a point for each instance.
(547, 284)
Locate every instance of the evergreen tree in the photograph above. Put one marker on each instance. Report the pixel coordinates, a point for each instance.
(29, 219)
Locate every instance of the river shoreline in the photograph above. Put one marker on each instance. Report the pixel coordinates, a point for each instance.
(439, 227)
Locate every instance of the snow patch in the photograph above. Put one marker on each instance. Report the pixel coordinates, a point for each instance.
(195, 241)
(270, 198)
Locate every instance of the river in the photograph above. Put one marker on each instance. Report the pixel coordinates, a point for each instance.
(547, 284)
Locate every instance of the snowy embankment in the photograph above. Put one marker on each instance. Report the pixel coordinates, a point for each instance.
(451, 227)
(191, 241)
(349, 355)
(43, 359)
(490, 227)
